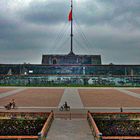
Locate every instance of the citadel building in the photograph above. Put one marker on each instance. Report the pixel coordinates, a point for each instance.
(70, 69)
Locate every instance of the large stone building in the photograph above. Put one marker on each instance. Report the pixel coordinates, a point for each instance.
(70, 69)
(71, 58)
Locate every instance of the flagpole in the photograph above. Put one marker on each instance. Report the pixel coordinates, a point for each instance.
(71, 28)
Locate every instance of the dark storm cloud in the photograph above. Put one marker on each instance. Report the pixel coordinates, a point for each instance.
(111, 12)
(30, 28)
(46, 12)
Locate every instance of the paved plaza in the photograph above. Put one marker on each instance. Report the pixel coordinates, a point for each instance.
(70, 125)
(77, 98)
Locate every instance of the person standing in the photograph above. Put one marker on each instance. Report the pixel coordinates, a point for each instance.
(13, 104)
(121, 109)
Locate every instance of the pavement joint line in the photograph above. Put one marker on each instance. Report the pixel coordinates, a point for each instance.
(130, 93)
(85, 108)
(112, 107)
(20, 107)
(71, 87)
(9, 93)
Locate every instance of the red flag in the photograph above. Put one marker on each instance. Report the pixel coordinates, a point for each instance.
(70, 15)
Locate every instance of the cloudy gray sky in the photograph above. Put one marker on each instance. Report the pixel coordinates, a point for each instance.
(30, 28)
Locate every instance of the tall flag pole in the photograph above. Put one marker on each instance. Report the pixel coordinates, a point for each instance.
(70, 18)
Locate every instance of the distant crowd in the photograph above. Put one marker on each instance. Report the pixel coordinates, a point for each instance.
(20, 127)
(119, 127)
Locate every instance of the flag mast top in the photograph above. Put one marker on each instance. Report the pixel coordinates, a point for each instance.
(71, 19)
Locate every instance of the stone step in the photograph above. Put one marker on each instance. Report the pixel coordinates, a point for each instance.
(75, 129)
(70, 115)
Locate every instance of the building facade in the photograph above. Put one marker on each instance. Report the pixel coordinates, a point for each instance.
(72, 74)
(71, 58)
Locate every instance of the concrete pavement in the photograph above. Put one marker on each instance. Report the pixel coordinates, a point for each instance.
(75, 129)
(72, 97)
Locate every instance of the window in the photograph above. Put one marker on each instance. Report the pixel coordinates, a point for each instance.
(54, 61)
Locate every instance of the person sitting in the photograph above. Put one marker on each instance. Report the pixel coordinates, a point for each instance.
(8, 106)
(66, 107)
(11, 105)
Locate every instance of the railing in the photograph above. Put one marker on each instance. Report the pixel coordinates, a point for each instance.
(46, 127)
(19, 137)
(23, 114)
(95, 131)
(121, 138)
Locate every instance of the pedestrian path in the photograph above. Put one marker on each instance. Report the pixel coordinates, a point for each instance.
(71, 96)
(130, 93)
(9, 93)
(77, 129)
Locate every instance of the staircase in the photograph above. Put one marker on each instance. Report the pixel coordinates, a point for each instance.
(70, 129)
